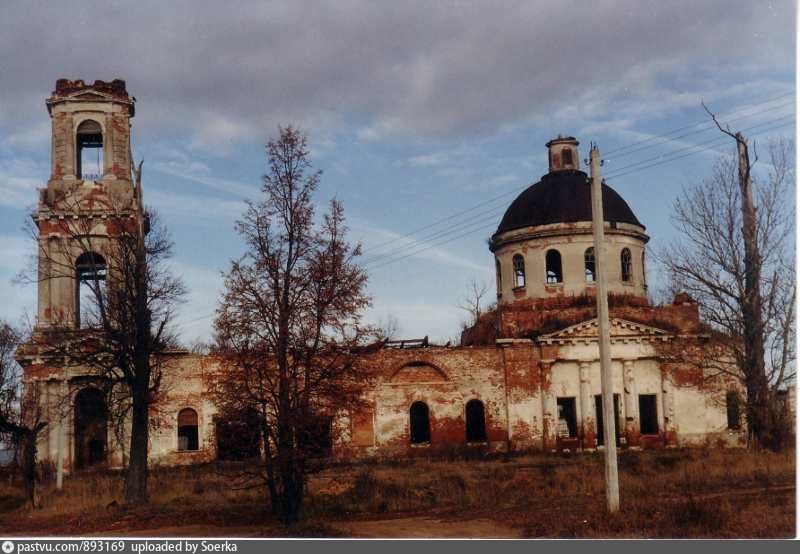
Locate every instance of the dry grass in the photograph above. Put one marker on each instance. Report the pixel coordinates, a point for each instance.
(671, 493)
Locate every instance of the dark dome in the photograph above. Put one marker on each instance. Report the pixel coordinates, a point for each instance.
(563, 197)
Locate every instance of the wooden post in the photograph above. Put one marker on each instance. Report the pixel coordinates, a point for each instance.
(604, 340)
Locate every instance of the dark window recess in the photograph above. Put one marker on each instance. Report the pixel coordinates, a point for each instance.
(316, 438)
(476, 421)
(625, 265)
(598, 404)
(91, 427)
(648, 414)
(567, 417)
(499, 275)
(733, 409)
(187, 430)
(566, 157)
(239, 436)
(420, 423)
(553, 267)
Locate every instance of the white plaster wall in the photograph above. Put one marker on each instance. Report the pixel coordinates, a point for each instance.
(571, 240)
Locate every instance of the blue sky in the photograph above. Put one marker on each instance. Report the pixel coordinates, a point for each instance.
(415, 112)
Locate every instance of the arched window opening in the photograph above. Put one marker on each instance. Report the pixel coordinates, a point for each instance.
(566, 157)
(588, 265)
(644, 271)
(625, 263)
(90, 278)
(499, 275)
(187, 430)
(553, 267)
(476, 421)
(91, 427)
(89, 150)
(420, 423)
(519, 270)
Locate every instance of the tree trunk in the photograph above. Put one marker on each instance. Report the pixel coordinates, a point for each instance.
(758, 404)
(28, 444)
(136, 477)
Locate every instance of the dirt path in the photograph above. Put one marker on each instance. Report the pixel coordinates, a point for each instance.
(422, 527)
(406, 527)
(240, 531)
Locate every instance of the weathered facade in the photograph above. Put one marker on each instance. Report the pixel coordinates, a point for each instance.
(526, 376)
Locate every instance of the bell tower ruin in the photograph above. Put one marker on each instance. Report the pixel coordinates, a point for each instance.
(90, 195)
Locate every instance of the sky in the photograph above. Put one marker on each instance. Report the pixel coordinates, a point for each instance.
(426, 119)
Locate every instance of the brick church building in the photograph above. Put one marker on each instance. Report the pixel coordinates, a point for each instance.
(526, 375)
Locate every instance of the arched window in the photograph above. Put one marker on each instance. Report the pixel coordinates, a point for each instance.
(566, 157)
(89, 150)
(476, 421)
(420, 423)
(588, 265)
(625, 264)
(644, 271)
(553, 267)
(187, 430)
(90, 285)
(499, 275)
(519, 270)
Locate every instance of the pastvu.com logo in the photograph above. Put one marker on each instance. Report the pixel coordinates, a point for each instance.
(8, 547)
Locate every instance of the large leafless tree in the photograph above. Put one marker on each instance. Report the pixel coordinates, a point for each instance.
(711, 263)
(123, 332)
(21, 418)
(289, 327)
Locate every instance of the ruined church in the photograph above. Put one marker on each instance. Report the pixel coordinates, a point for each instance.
(525, 376)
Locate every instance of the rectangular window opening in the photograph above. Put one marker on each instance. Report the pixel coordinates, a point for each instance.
(648, 414)
(567, 417)
(733, 409)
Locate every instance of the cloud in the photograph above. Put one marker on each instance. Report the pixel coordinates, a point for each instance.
(230, 73)
(18, 300)
(19, 179)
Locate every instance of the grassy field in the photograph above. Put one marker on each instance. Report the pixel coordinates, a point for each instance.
(669, 493)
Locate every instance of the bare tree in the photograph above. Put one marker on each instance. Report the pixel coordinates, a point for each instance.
(21, 418)
(715, 265)
(289, 325)
(121, 332)
(472, 301)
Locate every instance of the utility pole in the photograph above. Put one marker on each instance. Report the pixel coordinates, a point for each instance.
(604, 340)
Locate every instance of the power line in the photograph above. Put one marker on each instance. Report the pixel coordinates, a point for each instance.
(691, 146)
(381, 247)
(476, 226)
(711, 126)
(493, 212)
(448, 218)
(699, 122)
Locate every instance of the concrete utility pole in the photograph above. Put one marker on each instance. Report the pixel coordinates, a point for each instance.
(606, 383)
(60, 438)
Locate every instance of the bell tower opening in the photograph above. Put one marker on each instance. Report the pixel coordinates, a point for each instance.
(89, 149)
(563, 154)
